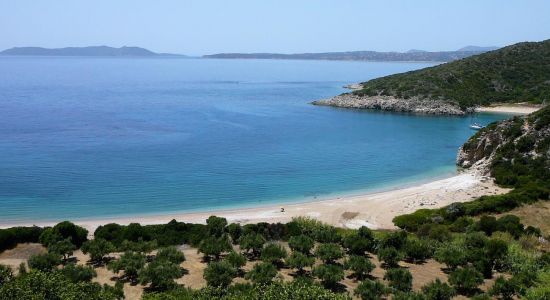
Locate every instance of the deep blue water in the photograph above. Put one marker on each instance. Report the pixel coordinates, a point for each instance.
(91, 137)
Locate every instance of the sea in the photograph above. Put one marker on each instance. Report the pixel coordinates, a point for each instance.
(84, 138)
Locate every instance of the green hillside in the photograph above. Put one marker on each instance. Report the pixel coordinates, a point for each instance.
(517, 73)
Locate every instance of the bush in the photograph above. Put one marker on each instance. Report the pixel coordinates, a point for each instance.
(6, 274)
(437, 290)
(44, 262)
(64, 230)
(161, 274)
(504, 289)
(273, 253)
(329, 274)
(355, 244)
(219, 274)
(389, 256)
(10, 237)
(371, 290)
(235, 231)
(39, 285)
(76, 273)
(360, 265)
(262, 273)
(213, 247)
(216, 226)
(170, 254)
(252, 241)
(451, 254)
(301, 243)
(299, 261)
(329, 253)
(235, 259)
(130, 262)
(63, 248)
(466, 280)
(417, 250)
(399, 279)
(97, 248)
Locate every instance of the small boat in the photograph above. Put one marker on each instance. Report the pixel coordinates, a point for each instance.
(476, 126)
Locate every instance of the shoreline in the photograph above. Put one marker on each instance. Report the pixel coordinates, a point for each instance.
(371, 209)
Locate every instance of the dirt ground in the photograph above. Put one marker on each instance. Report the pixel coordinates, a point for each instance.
(194, 266)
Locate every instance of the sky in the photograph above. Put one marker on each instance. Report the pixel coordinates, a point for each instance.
(282, 26)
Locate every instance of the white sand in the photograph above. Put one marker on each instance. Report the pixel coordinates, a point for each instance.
(519, 108)
(375, 210)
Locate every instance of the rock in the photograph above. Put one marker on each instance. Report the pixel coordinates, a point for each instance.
(389, 103)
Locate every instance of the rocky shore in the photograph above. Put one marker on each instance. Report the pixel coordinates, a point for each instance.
(389, 103)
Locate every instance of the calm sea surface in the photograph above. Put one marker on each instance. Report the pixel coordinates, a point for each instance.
(94, 137)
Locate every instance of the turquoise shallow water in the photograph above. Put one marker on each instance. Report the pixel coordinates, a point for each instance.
(95, 137)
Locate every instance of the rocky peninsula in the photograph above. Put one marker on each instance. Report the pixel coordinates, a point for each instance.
(391, 103)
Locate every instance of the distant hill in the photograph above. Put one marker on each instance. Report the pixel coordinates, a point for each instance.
(478, 48)
(411, 55)
(85, 51)
(517, 73)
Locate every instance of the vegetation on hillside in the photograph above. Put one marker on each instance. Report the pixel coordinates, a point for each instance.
(517, 73)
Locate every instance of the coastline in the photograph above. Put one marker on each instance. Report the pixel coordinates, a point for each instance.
(375, 209)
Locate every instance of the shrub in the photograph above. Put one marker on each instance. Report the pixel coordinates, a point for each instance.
(360, 241)
(170, 254)
(329, 253)
(299, 261)
(6, 274)
(326, 234)
(213, 247)
(234, 230)
(437, 290)
(371, 290)
(219, 274)
(216, 226)
(399, 279)
(360, 265)
(262, 273)
(417, 250)
(44, 262)
(301, 243)
(161, 274)
(64, 230)
(236, 260)
(252, 241)
(504, 289)
(63, 248)
(40, 285)
(466, 280)
(130, 262)
(329, 274)
(76, 273)
(97, 248)
(411, 222)
(451, 254)
(273, 253)
(389, 256)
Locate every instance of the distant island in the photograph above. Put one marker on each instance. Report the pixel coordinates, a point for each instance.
(517, 73)
(411, 55)
(86, 51)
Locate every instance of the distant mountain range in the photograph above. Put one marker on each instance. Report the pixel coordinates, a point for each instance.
(86, 51)
(411, 55)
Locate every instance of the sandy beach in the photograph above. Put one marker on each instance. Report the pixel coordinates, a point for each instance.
(375, 210)
(518, 108)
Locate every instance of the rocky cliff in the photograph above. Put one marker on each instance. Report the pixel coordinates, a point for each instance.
(511, 149)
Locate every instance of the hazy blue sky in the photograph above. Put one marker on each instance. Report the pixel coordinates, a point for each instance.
(202, 27)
